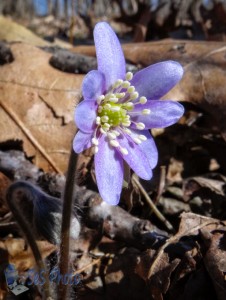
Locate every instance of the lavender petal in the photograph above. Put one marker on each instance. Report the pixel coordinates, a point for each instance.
(82, 141)
(110, 58)
(109, 172)
(93, 85)
(85, 116)
(163, 113)
(156, 80)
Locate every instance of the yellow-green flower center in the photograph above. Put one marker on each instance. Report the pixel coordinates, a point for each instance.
(114, 114)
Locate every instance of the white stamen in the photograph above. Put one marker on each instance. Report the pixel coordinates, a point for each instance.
(114, 100)
(95, 141)
(129, 105)
(127, 130)
(131, 89)
(107, 106)
(114, 143)
(134, 96)
(106, 126)
(115, 132)
(98, 120)
(104, 119)
(100, 98)
(136, 140)
(120, 95)
(142, 137)
(111, 135)
(143, 100)
(123, 150)
(118, 83)
(140, 126)
(146, 111)
(126, 84)
(126, 124)
(129, 76)
(115, 108)
(102, 130)
(95, 149)
(100, 108)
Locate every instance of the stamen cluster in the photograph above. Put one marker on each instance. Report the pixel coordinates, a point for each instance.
(114, 111)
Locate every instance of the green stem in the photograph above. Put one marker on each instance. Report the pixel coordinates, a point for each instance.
(66, 223)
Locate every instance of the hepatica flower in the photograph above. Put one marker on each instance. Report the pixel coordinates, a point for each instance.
(117, 111)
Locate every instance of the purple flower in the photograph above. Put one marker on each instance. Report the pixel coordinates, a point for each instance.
(117, 111)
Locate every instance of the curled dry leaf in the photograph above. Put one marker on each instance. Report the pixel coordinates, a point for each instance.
(36, 106)
(215, 261)
(22, 256)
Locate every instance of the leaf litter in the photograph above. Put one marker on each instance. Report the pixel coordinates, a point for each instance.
(123, 252)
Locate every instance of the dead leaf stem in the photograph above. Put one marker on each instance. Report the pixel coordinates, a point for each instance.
(158, 214)
(66, 224)
(162, 182)
(29, 135)
(173, 239)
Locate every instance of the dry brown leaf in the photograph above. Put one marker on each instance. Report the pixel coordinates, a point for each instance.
(11, 32)
(215, 261)
(22, 256)
(37, 103)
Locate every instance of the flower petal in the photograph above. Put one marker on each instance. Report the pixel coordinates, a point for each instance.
(93, 85)
(148, 147)
(163, 113)
(110, 58)
(82, 141)
(109, 172)
(156, 80)
(135, 158)
(85, 116)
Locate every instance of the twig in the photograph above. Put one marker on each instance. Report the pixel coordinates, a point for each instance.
(173, 239)
(66, 223)
(162, 182)
(12, 195)
(152, 205)
(29, 135)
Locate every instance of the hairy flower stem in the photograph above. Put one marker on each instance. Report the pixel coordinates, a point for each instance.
(14, 194)
(66, 223)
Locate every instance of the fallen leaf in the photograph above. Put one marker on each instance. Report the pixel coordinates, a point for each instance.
(37, 104)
